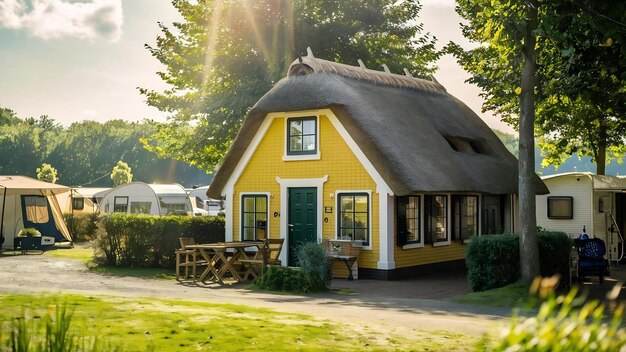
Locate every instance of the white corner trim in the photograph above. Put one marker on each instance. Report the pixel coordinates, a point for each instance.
(369, 205)
(386, 238)
(285, 184)
(228, 211)
(381, 185)
(441, 244)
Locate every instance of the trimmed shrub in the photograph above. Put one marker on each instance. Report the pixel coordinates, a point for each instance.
(313, 261)
(493, 260)
(82, 227)
(278, 278)
(137, 240)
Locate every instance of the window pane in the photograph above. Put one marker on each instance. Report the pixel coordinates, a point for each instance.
(261, 203)
(248, 234)
(261, 216)
(248, 220)
(360, 235)
(346, 203)
(346, 220)
(360, 220)
(308, 143)
(248, 204)
(308, 127)
(360, 204)
(346, 234)
(295, 144)
(295, 127)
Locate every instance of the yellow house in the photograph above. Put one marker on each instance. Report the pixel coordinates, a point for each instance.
(395, 162)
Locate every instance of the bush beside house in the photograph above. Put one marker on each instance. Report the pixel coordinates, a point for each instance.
(150, 241)
(493, 261)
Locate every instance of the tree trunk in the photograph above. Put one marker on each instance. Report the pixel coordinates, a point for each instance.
(601, 154)
(529, 249)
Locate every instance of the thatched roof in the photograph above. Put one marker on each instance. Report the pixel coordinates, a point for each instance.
(417, 136)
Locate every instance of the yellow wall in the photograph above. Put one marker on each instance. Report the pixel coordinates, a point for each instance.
(344, 171)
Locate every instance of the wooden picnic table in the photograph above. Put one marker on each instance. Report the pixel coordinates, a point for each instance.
(219, 263)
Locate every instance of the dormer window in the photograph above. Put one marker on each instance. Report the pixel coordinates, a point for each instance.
(302, 136)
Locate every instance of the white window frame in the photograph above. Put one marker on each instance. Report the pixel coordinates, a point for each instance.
(297, 157)
(448, 241)
(420, 243)
(241, 195)
(369, 209)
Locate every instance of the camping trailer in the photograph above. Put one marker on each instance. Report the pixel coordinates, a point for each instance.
(143, 198)
(582, 200)
(212, 207)
(29, 203)
(81, 200)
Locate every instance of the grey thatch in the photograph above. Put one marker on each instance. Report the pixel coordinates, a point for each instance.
(417, 136)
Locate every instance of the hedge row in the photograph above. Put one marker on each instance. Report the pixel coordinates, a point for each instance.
(82, 227)
(150, 241)
(493, 261)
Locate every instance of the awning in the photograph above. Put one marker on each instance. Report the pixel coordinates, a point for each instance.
(22, 184)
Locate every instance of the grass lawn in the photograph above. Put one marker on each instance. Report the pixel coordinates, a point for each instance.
(513, 295)
(168, 325)
(85, 255)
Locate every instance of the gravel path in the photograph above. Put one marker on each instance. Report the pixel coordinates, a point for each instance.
(388, 304)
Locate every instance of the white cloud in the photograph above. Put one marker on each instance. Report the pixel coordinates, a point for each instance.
(51, 19)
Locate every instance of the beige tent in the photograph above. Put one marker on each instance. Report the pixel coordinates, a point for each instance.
(27, 202)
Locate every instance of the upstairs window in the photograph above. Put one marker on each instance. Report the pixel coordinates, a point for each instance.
(561, 208)
(302, 136)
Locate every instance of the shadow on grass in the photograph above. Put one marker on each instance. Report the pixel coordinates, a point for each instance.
(144, 273)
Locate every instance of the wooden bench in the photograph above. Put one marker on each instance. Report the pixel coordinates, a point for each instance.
(343, 251)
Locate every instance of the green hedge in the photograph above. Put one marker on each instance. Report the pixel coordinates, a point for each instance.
(82, 227)
(493, 260)
(150, 241)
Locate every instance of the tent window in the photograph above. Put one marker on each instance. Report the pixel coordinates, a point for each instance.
(120, 204)
(140, 207)
(36, 209)
(78, 203)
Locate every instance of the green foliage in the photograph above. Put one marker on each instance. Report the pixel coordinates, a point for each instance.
(84, 152)
(29, 232)
(314, 265)
(562, 325)
(137, 240)
(51, 334)
(121, 174)
(493, 260)
(47, 173)
(82, 227)
(278, 278)
(579, 86)
(223, 56)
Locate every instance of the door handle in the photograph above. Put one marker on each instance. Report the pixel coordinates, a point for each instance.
(290, 227)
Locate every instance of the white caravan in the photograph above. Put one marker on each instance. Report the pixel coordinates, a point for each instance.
(582, 200)
(143, 198)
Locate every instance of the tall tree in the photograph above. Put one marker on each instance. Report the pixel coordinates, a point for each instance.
(507, 30)
(581, 94)
(224, 55)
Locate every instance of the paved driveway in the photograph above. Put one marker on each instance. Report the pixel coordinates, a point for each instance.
(399, 305)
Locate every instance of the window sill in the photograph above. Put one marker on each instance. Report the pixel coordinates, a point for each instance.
(413, 245)
(302, 157)
(441, 244)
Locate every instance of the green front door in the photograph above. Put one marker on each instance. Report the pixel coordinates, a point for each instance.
(302, 220)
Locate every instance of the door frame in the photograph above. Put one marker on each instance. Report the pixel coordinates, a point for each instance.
(286, 183)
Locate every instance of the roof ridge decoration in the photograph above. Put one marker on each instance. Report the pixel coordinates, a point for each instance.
(309, 64)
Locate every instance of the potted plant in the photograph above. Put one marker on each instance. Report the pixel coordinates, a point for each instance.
(28, 238)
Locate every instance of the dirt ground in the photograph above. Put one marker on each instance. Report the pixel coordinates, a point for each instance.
(398, 306)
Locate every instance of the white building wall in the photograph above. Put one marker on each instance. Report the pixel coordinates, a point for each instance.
(580, 188)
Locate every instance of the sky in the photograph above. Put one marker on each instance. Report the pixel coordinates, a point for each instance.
(79, 60)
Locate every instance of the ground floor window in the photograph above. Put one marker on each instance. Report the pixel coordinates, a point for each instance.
(560, 207)
(120, 204)
(353, 217)
(36, 209)
(253, 217)
(408, 220)
(437, 218)
(465, 217)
